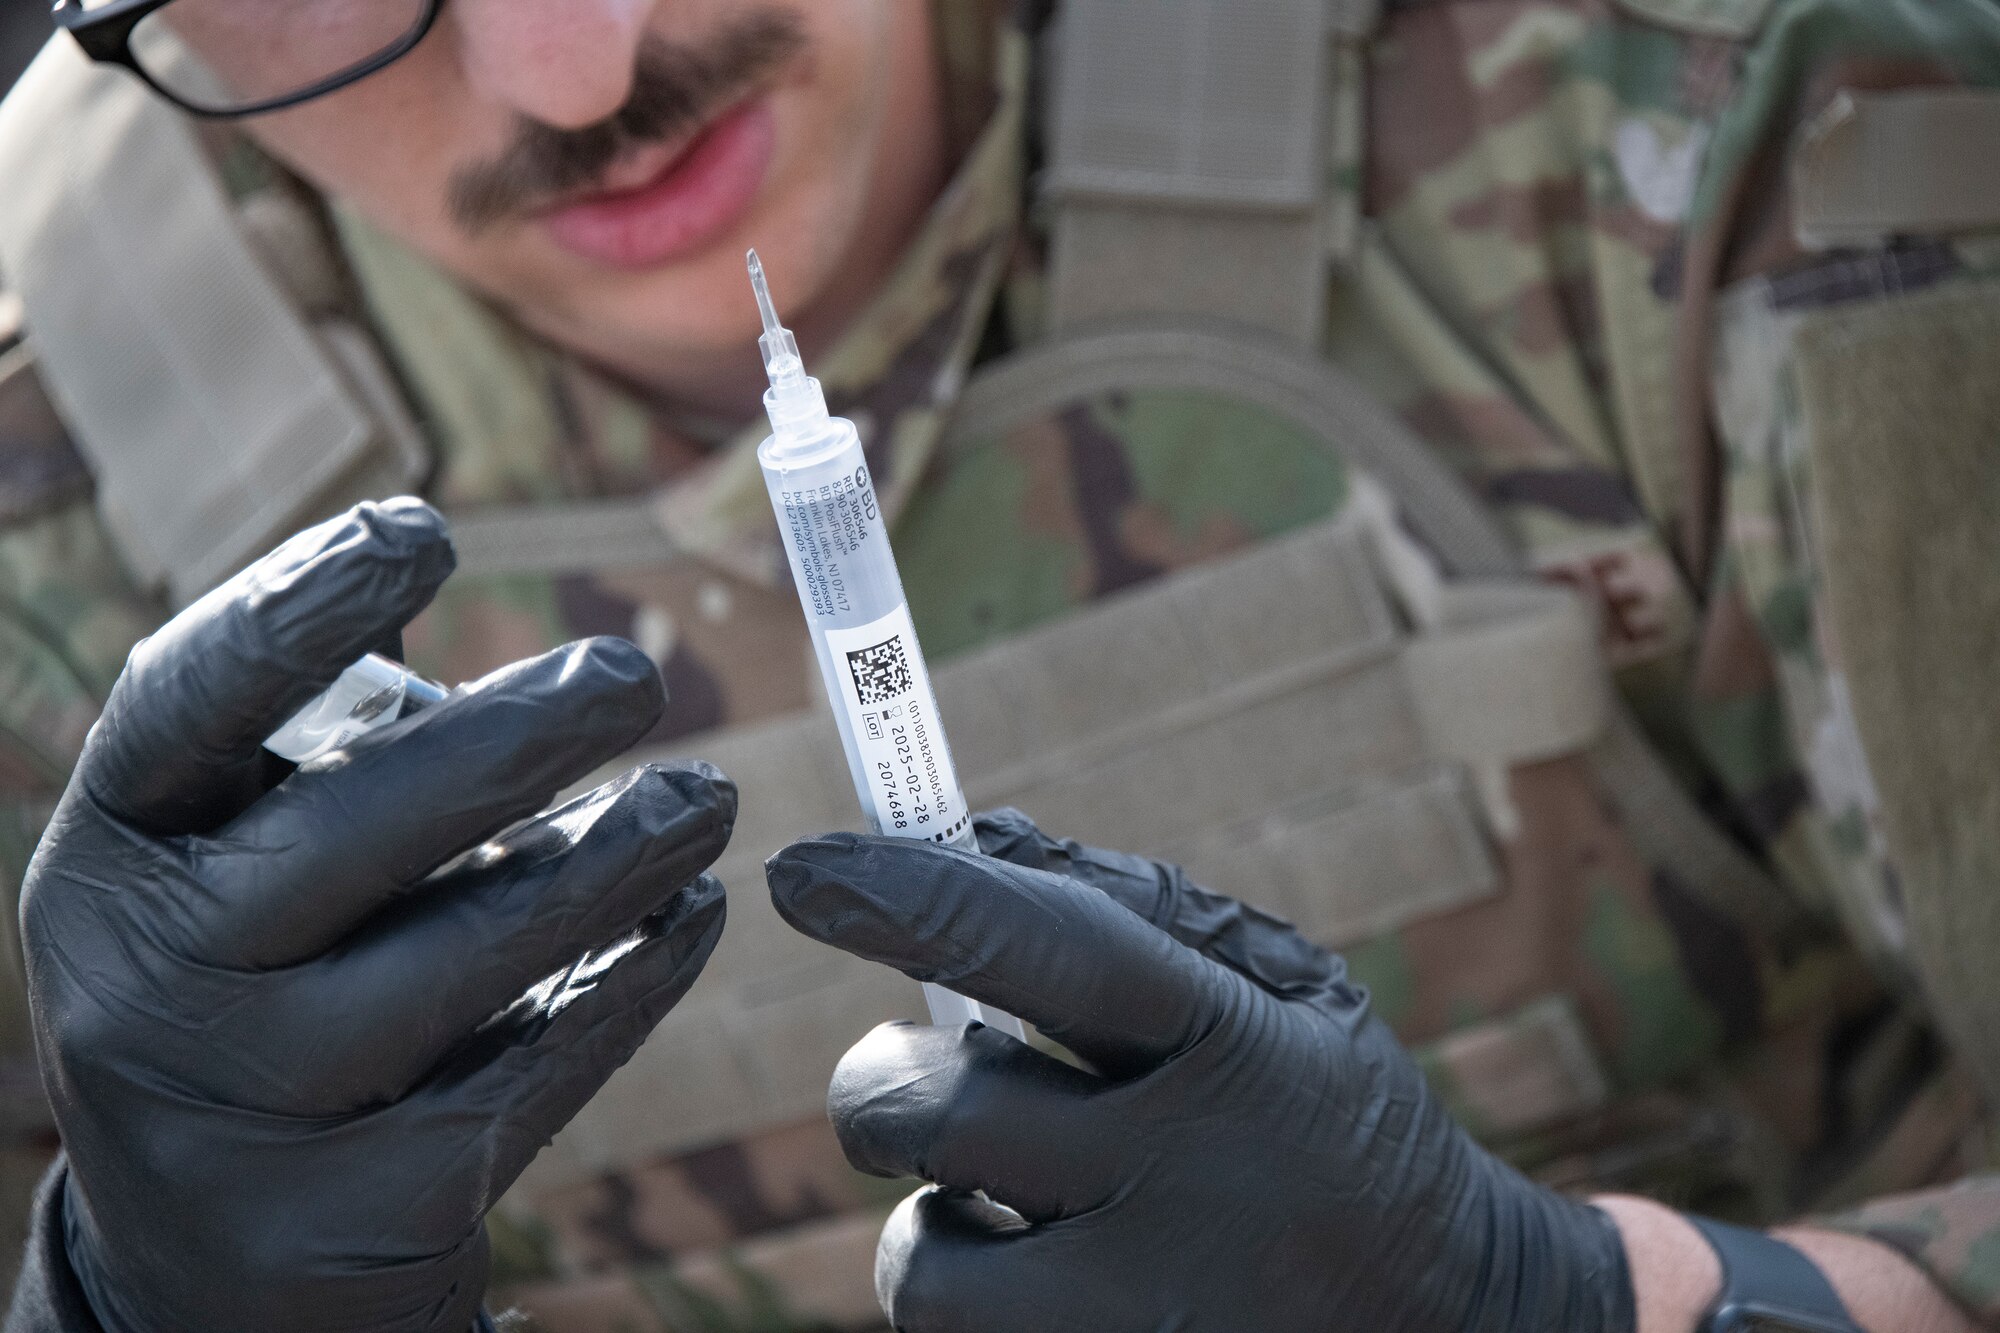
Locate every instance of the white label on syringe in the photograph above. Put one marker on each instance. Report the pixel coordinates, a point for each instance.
(911, 785)
(827, 524)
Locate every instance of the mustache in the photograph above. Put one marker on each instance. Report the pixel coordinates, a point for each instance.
(675, 88)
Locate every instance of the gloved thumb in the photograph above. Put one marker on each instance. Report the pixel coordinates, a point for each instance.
(1087, 972)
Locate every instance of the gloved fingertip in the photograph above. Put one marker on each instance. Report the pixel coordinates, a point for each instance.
(617, 684)
(815, 882)
(888, 1045)
(893, 1252)
(690, 923)
(955, 1214)
(824, 848)
(704, 784)
(906, 1285)
(410, 526)
(1010, 835)
(410, 506)
(923, 909)
(883, 1098)
(829, 853)
(370, 568)
(618, 661)
(399, 547)
(678, 820)
(704, 903)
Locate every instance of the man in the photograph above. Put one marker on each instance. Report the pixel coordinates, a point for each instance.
(1556, 195)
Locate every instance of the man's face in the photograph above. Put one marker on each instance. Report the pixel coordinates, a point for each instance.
(600, 166)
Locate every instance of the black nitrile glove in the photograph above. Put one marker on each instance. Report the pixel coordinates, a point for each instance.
(294, 1061)
(1257, 1152)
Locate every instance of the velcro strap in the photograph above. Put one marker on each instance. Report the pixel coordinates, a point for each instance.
(1514, 674)
(1188, 160)
(1877, 165)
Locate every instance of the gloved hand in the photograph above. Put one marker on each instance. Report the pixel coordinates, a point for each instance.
(289, 1035)
(1254, 1152)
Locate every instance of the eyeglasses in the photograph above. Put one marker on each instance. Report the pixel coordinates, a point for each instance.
(229, 58)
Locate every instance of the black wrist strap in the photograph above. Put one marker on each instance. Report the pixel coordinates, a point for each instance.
(1769, 1287)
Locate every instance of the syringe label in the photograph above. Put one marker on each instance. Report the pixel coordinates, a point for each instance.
(889, 703)
(826, 525)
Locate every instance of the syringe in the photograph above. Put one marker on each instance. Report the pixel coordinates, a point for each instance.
(372, 693)
(869, 659)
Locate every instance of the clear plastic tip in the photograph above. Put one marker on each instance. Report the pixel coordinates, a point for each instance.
(372, 693)
(794, 402)
(782, 361)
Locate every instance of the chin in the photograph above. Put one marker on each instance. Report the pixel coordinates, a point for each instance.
(698, 307)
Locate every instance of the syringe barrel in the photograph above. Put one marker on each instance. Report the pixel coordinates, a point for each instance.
(869, 659)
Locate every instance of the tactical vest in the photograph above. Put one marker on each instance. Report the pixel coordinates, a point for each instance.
(1378, 724)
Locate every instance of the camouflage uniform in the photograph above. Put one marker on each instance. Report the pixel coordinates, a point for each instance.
(1573, 271)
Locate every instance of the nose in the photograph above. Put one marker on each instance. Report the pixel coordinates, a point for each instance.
(565, 63)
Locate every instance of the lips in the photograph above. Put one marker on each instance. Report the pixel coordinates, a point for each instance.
(688, 202)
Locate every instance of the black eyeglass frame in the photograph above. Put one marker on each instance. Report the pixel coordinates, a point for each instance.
(106, 36)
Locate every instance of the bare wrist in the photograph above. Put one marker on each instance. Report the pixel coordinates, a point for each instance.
(1676, 1277)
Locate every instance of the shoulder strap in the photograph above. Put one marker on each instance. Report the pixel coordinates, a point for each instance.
(1190, 150)
(1215, 357)
(215, 416)
(577, 537)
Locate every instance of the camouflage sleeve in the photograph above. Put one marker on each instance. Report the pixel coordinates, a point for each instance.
(69, 614)
(1953, 1234)
(68, 617)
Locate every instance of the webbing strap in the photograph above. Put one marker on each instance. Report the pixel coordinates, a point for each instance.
(1670, 830)
(561, 539)
(1513, 675)
(1204, 357)
(1187, 163)
(1877, 165)
(211, 414)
